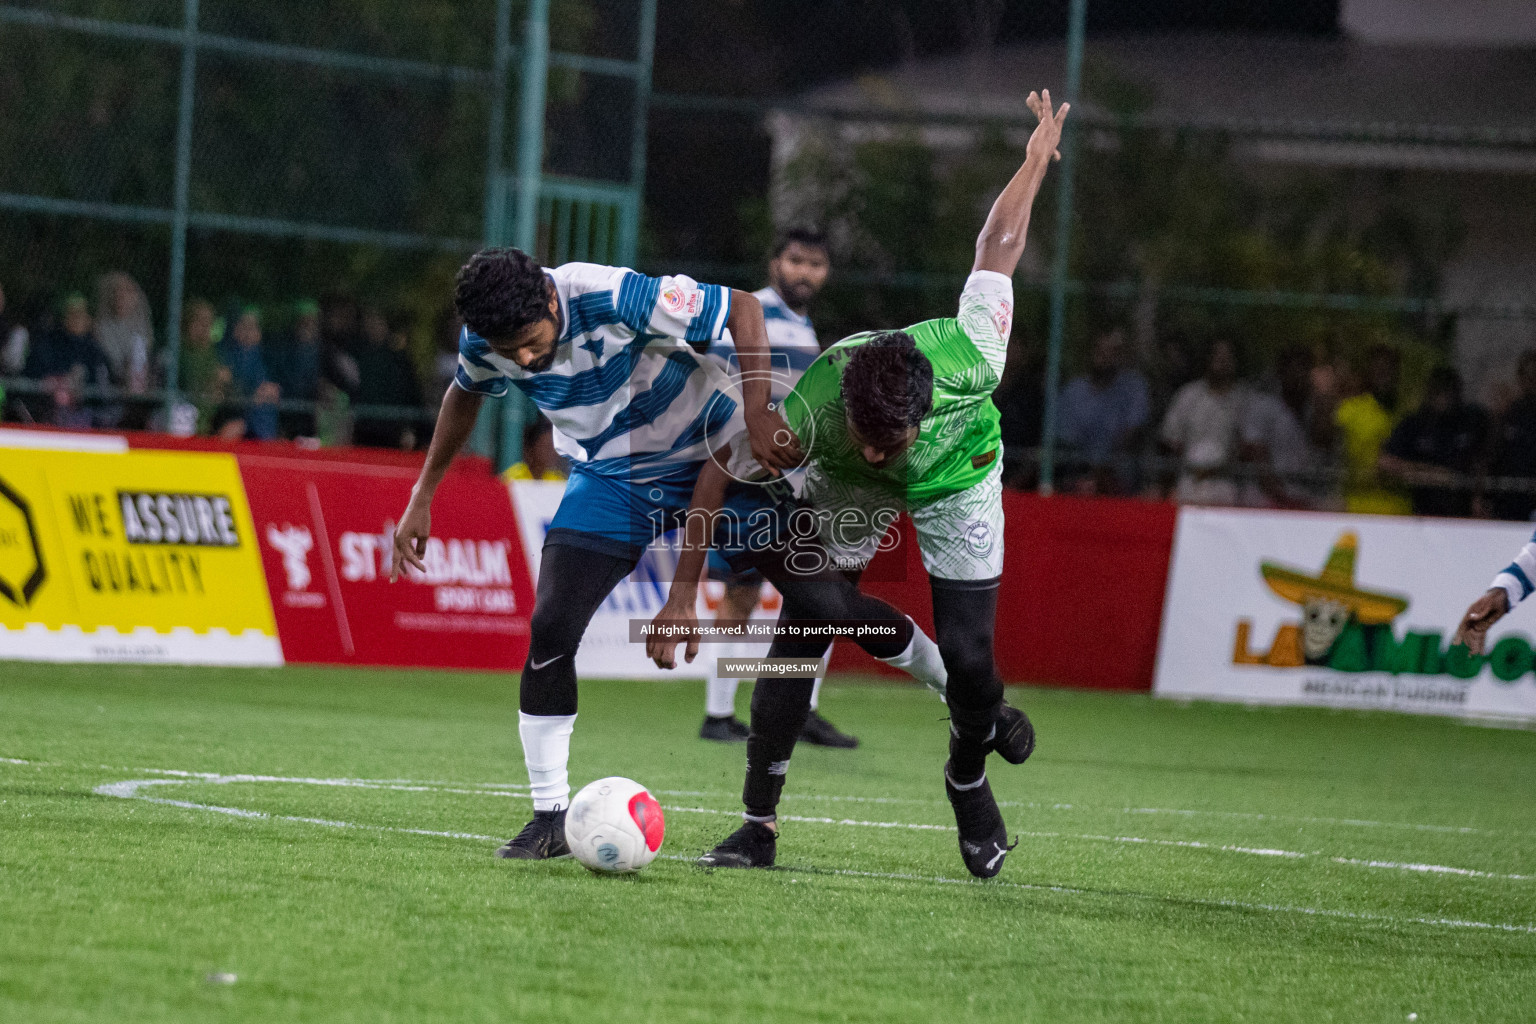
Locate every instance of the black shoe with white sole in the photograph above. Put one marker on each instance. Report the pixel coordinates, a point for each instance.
(751, 846)
(723, 729)
(983, 835)
(543, 838)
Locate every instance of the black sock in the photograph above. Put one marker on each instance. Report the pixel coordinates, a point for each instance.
(779, 710)
(964, 618)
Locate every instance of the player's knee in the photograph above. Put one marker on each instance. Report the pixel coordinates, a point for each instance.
(820, 600)
(553, 630)
(968, 658)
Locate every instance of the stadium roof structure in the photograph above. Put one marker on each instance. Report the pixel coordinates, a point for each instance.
(1294, 99)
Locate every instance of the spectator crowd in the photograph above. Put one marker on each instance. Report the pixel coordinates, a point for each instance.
(1306, 433)
(1303, 432)
(332, 371)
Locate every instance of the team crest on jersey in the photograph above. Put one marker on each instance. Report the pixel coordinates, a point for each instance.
(682, 301)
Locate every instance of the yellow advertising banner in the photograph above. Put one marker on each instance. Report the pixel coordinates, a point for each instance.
(130, 556)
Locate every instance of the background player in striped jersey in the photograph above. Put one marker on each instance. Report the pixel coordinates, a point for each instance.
(616, 361)
(796, 272)
(895, 421)
(1508, 589)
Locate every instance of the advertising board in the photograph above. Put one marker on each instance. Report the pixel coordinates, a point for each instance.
(1341, 611)
(326, 532)
(130, 556)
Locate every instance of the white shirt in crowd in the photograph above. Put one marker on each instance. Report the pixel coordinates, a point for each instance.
(1202, 428)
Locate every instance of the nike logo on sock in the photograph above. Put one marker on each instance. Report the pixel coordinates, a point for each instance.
(545, 663)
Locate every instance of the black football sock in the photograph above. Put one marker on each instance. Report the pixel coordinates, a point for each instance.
(964, 619)
(779, 710)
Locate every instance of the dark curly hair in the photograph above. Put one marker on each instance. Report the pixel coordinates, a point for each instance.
(811, 238)
(501, 291)
(887, 386)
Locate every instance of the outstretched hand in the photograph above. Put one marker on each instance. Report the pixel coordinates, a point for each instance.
(1485, 611)
(1046, 138)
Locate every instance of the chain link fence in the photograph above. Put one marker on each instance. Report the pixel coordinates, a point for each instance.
(1274, 177)
(265, 160)
(1270, 175)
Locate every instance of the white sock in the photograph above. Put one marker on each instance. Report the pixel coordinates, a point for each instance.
(720, 694)
(922, 662)
(546, 752)
(816, 692)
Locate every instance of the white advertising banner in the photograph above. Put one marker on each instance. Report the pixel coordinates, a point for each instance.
(606, 651)
(1341, 611)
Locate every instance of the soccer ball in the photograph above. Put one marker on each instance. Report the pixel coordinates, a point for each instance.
(614, 826)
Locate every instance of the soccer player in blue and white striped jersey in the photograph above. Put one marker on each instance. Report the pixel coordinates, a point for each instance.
(616, 361)
(797, 270)
(1508, 589)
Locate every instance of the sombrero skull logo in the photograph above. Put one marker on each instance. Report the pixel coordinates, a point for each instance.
(1322, 620)
(1330, 600)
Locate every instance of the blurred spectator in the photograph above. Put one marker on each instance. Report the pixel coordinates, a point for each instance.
(1174, 364)
(540, 460)
(250, 380)
(124, 331)
(1432, 449)
(200, 375)
(1020, 401)
(1514, 446)
(445, 357)
(67, 360)
(1103, 415)
(339, 334)
(13, 343)
(1278, 432)
(298, 365)
(1201, 430)
(1364, 422)
(386, 376)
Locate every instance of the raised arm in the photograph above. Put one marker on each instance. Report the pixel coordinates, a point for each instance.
(455, 422)
(1001, 241)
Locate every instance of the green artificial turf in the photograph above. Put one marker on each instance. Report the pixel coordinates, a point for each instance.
(1157, 877)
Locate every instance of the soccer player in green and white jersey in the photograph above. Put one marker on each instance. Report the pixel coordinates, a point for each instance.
(891, 422)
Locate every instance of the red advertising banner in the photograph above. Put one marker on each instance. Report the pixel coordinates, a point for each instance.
(325, 531)
(1081, 601)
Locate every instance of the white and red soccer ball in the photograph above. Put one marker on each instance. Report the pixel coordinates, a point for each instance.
(614, 826)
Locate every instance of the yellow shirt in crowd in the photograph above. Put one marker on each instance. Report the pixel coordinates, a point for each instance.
(520, 471)
(1365, 427)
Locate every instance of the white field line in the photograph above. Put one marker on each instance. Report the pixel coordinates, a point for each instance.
(130, 788)
(471, 788)
(1273, 908)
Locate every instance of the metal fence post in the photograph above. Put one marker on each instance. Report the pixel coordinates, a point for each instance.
(176, 286)
(1061, 257)
(530, 125)
(629, 231)
(495, 180)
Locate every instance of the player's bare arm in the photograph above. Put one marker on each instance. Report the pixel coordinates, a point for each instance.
(455, 422)
(773, 444)
(1001, 241)
(678, 613)
(1485, 611)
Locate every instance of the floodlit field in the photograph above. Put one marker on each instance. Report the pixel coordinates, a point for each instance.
(1176, 863)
